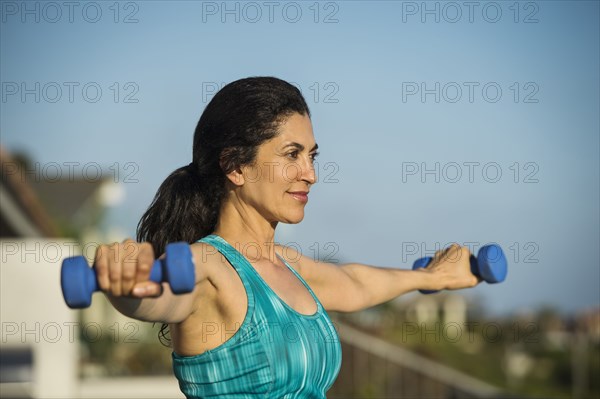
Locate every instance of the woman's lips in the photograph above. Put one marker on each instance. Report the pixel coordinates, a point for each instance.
(301, 196)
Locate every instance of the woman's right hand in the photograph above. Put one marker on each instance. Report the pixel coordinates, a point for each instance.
(123, 269)
(452, 268)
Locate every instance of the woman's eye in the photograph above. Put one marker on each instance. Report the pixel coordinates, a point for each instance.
(294, 155)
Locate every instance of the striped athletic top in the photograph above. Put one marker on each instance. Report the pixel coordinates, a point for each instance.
(276, 353)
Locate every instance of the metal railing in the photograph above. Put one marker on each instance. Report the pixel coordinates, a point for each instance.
(374, 368)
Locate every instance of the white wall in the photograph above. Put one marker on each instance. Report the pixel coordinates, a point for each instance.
(33, 313)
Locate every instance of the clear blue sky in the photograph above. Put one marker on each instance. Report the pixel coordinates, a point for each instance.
(363, 67)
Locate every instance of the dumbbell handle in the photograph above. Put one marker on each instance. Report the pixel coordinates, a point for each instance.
(156, 275)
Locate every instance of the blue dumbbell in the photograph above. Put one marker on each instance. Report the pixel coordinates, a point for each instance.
(79, 280)
(490, 265)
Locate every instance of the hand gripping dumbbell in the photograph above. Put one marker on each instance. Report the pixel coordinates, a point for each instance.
(79, 280)
(490, 265)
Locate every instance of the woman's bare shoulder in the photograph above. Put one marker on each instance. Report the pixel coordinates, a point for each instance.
(210, 264)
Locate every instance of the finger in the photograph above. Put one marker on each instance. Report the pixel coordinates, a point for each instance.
(101, 267)
(147, 289)
(145, 261)
(465, 253)
(439, 254)
(442, 253)
(128, 265)
(114, 268)
(453, 253)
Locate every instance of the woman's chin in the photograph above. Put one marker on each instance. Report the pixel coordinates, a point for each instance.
(293, 219)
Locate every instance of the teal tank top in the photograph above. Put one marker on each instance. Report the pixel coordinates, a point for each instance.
(276, 353)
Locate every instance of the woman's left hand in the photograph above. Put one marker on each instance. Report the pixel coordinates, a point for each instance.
(452, 268)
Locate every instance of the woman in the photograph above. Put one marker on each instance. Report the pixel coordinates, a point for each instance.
(255, 325)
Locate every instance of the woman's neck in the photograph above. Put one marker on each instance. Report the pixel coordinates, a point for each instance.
(247, 231)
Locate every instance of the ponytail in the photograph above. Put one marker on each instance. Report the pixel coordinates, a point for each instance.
(185, 208)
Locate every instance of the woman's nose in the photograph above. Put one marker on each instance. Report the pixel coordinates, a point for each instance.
(308, 173)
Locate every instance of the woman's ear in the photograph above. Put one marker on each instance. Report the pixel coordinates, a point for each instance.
(235, 174)
(236, 177)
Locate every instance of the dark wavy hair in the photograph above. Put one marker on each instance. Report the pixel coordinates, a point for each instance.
(239, 118)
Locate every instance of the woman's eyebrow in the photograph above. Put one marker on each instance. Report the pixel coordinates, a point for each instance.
(299, 146)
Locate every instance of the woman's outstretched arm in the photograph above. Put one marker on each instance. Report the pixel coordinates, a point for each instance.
(353, 286)
(123, 271)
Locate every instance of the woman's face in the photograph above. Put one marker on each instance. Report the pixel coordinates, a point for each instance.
(278, 182)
